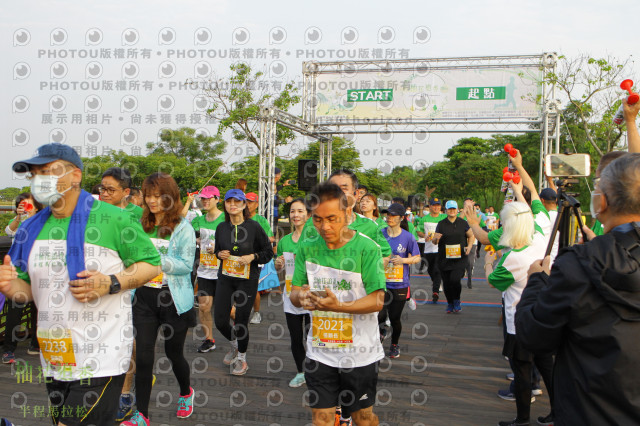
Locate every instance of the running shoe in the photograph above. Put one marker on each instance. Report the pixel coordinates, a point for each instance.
(546, 420)
(510, 376)
(240, 368)
(411, 303)
(125, 406)
(8, 357)
(297, 381)
(449, 308)
(536, 391)
(394, 352)
(435, 297)
(469, 284)
(230, 357)
(138, 419)
(185, 405)
(507, 395)
(207, 345)
(33, 350)
(456, 306)
(256, 318)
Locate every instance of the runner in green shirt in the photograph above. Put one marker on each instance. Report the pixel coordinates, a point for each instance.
(115, 189)
(207, 272)
(426, 228)
(78, 250)
(340, 278)
(298, 319)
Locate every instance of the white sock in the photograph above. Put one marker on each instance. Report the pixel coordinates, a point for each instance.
(242, 356)
(234, 344)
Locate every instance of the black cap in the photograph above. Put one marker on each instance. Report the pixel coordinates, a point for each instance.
(396, 209)
(434, 201)
(548, 194)
(48, 153)
(276, 171)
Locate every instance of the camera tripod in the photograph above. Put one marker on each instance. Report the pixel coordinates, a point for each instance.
(567, 206)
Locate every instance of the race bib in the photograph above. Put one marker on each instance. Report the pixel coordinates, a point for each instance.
(289, 267)
(453, 251)
(332, 330)
(155, 282)
(232, 268)
(208, 260)
(56, 346)
(394, 273)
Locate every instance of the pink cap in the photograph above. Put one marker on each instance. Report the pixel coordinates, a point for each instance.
(209, 192)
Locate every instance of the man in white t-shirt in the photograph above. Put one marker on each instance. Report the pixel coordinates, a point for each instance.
(76, 259)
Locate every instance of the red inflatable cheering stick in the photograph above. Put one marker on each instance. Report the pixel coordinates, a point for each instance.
(631, 99)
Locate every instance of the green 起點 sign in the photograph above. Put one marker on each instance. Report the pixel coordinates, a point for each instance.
(480, 93)
(369, 95)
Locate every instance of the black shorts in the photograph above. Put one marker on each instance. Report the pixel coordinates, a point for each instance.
(91, 401)
(353, 389)
(207, 286)
(156, 305)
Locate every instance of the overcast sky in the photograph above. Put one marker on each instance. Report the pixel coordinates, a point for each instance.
(48, 92)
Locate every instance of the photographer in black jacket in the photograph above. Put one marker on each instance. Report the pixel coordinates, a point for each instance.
(587, 309)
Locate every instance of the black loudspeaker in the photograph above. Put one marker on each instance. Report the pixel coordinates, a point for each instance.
(307, 174)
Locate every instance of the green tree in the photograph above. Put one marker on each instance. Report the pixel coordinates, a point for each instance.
(9, 194)
(185, 143)
(235, 103)
(589, 84)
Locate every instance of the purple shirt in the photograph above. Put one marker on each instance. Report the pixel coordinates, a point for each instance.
(403, 245)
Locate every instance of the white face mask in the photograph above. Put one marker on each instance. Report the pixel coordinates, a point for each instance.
(45, 188)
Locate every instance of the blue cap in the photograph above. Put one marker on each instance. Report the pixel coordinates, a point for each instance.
(235, 193)
(451, 204)
(48, 153)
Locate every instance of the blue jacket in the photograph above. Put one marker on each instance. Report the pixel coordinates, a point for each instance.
(177, 265)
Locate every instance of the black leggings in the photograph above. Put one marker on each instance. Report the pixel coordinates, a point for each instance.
(154, 309)
(298, 325)
(394, 301)
(243, 293)
(434, 271)
(451, 284)
(13, 321)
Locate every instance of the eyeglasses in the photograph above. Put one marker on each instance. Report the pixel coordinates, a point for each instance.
(108, 190)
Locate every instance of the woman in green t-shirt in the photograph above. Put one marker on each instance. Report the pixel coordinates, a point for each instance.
(298, 319)
(369, 209)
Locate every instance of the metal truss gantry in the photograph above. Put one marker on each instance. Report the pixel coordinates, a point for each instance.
(270, 118)
(547, 124)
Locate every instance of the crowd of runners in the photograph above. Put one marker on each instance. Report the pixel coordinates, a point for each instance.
(136, 266)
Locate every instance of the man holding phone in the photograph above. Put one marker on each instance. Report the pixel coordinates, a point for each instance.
(340, 278)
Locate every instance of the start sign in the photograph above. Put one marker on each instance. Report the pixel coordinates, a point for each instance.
(369, 95)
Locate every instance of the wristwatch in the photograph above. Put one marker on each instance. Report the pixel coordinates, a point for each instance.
(115, 286)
